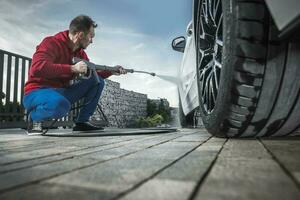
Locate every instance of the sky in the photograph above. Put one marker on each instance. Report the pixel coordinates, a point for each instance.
(133, 33)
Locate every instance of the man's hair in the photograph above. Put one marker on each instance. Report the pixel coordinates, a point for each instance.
(81, 23)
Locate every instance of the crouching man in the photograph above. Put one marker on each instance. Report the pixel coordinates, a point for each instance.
(48, 92)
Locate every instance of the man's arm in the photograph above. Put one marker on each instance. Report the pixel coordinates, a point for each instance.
(105, 73)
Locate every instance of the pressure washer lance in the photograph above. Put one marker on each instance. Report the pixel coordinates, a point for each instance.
(92, 69)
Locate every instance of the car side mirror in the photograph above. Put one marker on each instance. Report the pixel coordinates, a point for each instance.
(178, 44)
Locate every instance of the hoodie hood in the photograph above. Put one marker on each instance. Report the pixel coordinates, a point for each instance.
(63, 36)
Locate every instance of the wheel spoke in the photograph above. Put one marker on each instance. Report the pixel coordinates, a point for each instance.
(218, 12)
(205, 56)
(219, 65)
(216, 80)
(207, 62)
(219, 42)
(208, 90)
(210, 47)
(205, 6)
(219, 31)
(212, 97)
(211, 10)
(216, 7)
(205, 25)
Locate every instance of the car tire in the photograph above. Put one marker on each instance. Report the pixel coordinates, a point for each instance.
(254, 90)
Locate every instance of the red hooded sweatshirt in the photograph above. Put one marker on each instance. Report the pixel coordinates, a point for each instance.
(51, 63)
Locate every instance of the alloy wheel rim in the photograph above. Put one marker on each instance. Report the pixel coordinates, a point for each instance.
(210, 43)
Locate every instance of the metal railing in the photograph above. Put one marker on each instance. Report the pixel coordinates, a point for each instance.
(14, 73)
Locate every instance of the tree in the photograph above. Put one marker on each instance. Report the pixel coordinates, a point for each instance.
(149, 121)
(160, 109)
(151, 108)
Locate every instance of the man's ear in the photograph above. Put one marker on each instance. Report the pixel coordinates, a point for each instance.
(80, 35)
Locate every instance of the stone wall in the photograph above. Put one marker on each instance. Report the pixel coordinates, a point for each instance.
(120, 106)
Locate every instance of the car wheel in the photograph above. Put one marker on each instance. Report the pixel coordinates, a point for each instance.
(248, 80)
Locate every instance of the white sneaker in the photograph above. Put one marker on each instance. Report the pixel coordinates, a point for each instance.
(34, 128)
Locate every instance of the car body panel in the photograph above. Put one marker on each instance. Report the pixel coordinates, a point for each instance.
(188, 89)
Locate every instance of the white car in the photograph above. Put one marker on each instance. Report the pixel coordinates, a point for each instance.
(187, 86)
(240, 67)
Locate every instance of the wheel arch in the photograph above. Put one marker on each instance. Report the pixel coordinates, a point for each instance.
(195, 11)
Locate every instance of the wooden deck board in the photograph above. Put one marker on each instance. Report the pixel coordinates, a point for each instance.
(287, 152)
(245, 170)
(40, 172)
(68, 155)
(188, 164)
(179, 180)
(119, 175)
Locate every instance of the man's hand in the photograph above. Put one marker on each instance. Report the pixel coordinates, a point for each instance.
(79, 68)
(119, 70)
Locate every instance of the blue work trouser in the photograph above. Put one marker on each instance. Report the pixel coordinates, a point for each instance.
(55, 103)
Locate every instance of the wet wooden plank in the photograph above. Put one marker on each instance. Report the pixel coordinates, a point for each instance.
(167, 166)
(180, 179)
(287, 152)
(22, 164)
(245, 170)
(86, 147)
(198, 136)
(41, 172)
(48, 147)
(39, 148)
(125, 167)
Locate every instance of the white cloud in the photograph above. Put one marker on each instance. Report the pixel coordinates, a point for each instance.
(137, 47)
(22, 27)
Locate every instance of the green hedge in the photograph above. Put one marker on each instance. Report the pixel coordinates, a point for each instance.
(149, 121)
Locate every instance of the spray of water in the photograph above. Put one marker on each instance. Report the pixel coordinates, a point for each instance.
(174, 80)
(171, 79)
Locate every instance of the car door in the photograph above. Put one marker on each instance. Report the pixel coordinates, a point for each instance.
(188, 88)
